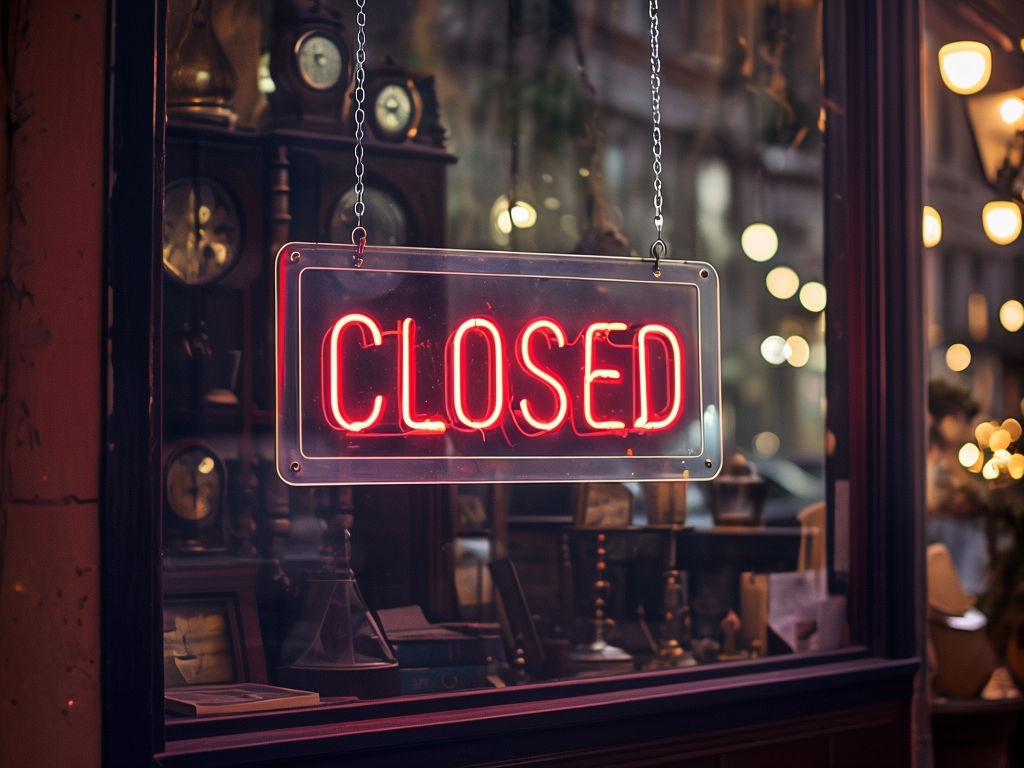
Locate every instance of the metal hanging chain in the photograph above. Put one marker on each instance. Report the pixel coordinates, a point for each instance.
(359, 209)
(658, 248)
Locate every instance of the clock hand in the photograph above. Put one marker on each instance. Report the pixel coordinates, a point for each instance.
(193, 211)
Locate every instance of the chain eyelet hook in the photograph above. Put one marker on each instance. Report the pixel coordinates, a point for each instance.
(358, 240)
(658, 251)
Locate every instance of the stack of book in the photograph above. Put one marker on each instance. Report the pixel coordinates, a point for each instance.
(434, 658)
(235, 698)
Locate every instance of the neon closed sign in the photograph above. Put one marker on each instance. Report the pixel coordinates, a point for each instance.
(460, 366)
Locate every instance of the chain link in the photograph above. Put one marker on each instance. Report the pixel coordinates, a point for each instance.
(658, 248)
(359, 209)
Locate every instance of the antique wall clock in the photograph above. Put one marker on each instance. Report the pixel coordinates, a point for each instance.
(202, 230)
(213, 209)
(214, 267)
(195, 487)
(394, 104)
(309, 64)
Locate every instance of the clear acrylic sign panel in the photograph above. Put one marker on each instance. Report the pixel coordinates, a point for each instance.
(453, 366)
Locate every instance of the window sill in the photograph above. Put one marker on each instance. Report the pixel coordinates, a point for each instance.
(537, 719)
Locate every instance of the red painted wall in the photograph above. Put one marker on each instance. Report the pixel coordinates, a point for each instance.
(51, 403)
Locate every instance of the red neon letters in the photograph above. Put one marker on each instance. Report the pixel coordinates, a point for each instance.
(610, 378)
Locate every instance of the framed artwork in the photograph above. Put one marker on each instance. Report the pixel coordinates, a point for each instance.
(480, 513)
(211, 631)
(604, 505)
(473, 588)
(480, 509)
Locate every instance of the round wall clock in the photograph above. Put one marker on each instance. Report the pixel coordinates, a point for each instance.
(386, 219)
(202, 230)
(319, 60)
(396, 109)
(195, 482)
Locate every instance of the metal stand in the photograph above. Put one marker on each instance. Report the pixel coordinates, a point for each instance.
(337, 646)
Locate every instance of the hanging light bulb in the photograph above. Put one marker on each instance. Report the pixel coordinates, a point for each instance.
(1001, 220)
(931, 227)
(965, 66)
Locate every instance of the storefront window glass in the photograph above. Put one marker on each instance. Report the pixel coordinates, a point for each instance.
(514, 127)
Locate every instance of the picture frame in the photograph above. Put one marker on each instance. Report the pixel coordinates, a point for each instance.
(604, 505)
(479, 520)
(211, 629)
(480, 509)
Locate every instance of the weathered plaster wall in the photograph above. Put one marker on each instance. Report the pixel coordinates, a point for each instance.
(50, 381)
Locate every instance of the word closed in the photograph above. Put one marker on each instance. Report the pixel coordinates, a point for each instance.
(609, 376)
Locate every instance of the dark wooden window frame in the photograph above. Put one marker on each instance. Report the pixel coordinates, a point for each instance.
(876, 373)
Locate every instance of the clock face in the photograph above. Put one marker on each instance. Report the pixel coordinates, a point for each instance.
(386, 223)
(319, 60)
(385, 218)
(202, 230)
(194, 479)
(394, 111)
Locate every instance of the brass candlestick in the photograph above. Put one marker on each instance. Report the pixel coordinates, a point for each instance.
(598, 650)
(675, 627)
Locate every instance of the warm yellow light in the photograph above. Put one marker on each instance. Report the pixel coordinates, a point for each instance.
(1011, 110)
(965, 66)
(1016, 466)
(977, 316)
(782, 282)
(931, 227)
(521, 216)
(958, 357)
(968, 455)
(1012, 427)
(759, 242)
(1000, 440)
(1011, 315)
(766, 443)
(813, 296)
(983, 432)
(1002, 221)
(798, 351)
